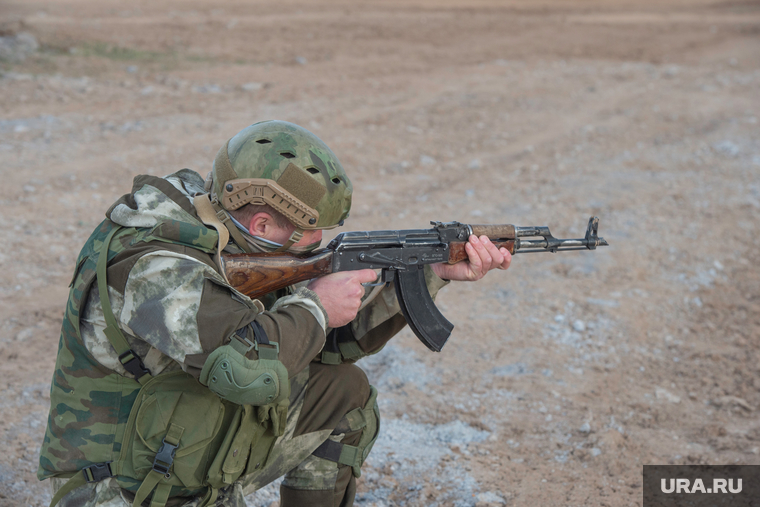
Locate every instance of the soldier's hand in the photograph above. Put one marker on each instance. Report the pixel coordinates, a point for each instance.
(341, 294)
(483, 256)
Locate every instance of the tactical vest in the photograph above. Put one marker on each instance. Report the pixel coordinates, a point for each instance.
(166, 435)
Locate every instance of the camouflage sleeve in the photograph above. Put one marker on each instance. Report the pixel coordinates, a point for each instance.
(374, 325)
(176, 309)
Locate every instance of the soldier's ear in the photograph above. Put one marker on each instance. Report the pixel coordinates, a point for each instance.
(260, 224)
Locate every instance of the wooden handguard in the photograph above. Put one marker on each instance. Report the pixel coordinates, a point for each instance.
(502, 231)
(261, 274)
(457, 253)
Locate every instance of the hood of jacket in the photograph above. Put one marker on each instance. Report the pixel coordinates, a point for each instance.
(165, 206)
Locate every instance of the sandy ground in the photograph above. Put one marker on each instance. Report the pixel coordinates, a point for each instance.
(565, 374)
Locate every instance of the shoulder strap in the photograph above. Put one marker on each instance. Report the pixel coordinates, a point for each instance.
(209, 216)
(127, 357)
(213, 215)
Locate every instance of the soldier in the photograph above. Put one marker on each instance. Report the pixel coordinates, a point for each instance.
(172, 388)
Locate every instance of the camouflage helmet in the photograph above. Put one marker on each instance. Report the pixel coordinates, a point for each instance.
(286, 167)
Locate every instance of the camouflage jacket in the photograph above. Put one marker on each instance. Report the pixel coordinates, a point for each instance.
(174, 309)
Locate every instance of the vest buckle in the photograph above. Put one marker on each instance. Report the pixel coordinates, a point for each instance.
(164, 458)
(133, 364)
(97, 472)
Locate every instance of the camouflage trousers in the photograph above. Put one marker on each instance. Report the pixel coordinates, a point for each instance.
(321, 396)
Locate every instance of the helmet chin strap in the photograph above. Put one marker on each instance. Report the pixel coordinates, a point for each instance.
(294, 238)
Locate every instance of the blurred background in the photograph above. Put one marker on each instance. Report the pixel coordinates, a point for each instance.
(566, 373)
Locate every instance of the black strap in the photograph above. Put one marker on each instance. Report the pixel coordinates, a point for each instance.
(343, 334)
(331, 342)
(259, 334)
(243, 345)
(329, 450)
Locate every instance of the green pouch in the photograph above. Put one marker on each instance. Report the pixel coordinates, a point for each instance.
(247, 447)
(178, 403)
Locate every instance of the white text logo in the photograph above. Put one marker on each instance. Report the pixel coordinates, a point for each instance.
(685, 486)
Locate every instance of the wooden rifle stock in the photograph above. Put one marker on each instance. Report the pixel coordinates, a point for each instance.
(258, 274)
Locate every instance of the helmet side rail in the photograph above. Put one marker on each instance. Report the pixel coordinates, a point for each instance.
(401, 256)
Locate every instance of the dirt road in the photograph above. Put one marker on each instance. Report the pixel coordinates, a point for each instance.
(565, 374)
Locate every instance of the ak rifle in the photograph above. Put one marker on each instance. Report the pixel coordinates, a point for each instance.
(401, 256)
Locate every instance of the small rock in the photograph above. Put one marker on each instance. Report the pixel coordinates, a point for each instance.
(17, 47)
(490, 498)
(718, 265)
(559, 318)
(476, 213)
(728, 148)
(20, 129)
(212, 88)
(610, 303)
(579, 326)
(29, 188)
(612, 439)
(585, 428)
(25, 334)
(728, 401)
(427, 160)
(300, 60)
(251, 87)
(474, 164)
(596, 452)
(663, 394)
(509, 370)
(147, 90)
(131, 69)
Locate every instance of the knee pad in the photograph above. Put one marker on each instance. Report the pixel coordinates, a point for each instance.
(366, 419)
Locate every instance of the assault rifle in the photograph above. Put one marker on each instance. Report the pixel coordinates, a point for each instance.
(400, 255)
